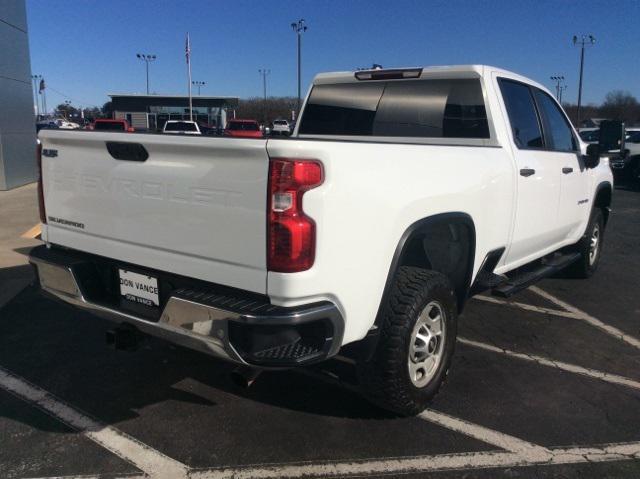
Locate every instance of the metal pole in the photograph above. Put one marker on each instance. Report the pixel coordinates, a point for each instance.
(299, 68)
(147, 62)
(264, 86)
(190, 98)
(584, 41)
(44, 100)
(580, 83)
(299, 27)
(264, 72)
(264, 96)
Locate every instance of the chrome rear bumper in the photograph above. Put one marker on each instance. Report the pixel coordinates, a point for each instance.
(199, 325)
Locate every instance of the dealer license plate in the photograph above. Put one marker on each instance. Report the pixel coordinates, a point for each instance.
(139, 288)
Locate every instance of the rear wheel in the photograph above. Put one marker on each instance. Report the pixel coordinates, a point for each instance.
(589, 247)
(416, 342)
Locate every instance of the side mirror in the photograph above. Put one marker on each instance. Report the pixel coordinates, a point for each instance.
(593, 156)
(612, 133)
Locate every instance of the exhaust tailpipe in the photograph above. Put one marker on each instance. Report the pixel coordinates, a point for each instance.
(244, 376)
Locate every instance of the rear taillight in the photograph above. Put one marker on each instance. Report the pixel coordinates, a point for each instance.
(43, 215)
(291, 242)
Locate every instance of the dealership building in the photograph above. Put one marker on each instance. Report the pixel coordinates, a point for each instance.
(150, 112)
(17, 119)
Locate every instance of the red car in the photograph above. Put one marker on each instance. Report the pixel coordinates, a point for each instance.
(112, 125)
(243, 129)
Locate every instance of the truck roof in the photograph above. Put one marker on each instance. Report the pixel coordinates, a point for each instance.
(433, 72)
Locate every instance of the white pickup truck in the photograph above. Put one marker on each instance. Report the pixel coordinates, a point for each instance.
(401, 193)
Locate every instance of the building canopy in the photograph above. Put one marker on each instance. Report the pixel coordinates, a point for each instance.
(142, 103)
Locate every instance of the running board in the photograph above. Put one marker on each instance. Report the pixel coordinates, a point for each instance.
(549, 267)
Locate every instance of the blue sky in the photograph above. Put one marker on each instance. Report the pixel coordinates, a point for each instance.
(86, 49)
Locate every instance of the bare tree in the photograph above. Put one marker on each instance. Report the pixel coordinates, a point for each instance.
(621, 105)
(617, 105)
(274, 108)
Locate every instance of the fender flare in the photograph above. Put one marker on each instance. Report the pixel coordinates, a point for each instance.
(419, 227)
(365, 348)
(602, 186)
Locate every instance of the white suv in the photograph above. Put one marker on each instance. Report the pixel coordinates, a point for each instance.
(181, 127)
(281, 127)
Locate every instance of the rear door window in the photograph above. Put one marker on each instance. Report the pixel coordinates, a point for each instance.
(523, 117)
(451, 108)
(558, 131)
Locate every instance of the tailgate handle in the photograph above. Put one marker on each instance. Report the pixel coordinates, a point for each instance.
(121, 150)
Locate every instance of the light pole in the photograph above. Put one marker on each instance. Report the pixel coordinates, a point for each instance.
(264, 72)
(562, 88)
(586, 40)
(299, 28)
(36, 79)
(558, 79)
(198, 84)
(145, 57)
(43, 92)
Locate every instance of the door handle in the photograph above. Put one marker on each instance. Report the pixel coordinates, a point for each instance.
(567, 169)
(527, 172)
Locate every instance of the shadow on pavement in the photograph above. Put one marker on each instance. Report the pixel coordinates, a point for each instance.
(14, 279)
(63, 351)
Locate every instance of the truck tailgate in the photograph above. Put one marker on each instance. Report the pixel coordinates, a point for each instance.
(195, 207)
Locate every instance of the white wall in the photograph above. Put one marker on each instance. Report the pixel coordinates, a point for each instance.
(17, 121)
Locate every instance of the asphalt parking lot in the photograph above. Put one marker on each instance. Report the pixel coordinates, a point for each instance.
(544, 385)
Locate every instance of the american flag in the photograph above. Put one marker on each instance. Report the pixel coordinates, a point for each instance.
(187, 49)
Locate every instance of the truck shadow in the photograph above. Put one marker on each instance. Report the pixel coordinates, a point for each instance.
(63, 351)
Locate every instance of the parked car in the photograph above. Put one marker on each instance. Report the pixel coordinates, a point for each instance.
(402, 193)
(63, 124)
(208, 130)
(281, 127)
(590, 135)
(626, 168)
(243, 129)
(46, 124)
(181, 127)
(105, 124)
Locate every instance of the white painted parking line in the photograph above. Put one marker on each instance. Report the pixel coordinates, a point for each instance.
(152, 462)
(527, 307)
(581, 315)
(572, 368)
(484, 434)
(418, 464)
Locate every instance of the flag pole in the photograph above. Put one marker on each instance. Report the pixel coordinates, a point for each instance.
(188, 54)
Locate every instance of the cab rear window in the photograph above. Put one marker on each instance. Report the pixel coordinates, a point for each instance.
(180, 126)
(108, 126)
(451, 108)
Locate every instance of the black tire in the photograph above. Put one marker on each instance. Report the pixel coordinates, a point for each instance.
(587, 265)
(385, 379)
